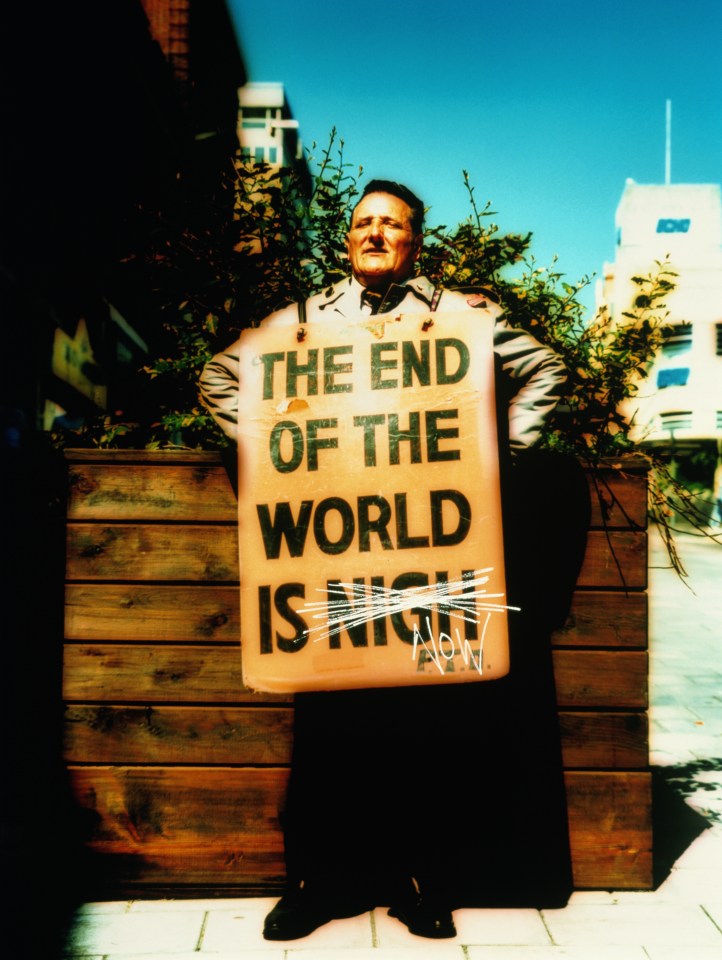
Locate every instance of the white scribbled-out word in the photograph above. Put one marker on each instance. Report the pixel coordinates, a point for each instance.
(463, 600)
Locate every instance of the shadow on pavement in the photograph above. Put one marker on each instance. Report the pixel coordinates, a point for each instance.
(675, 824)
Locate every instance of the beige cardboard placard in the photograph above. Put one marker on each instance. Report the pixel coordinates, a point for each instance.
(369, 509)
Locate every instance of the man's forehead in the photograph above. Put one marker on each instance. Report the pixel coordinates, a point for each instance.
(381, 204)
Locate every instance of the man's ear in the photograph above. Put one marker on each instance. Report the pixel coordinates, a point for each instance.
(418, 244)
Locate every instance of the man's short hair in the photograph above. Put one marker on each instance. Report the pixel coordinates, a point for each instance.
(403, 193)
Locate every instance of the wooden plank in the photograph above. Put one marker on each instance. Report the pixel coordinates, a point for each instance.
(122, 552)
(129, 491)
(605, 619)
(156, 674)
(115, 734)
(117, 490)
(186, 825)
(610, 830)
(193, 552)
(616, 558)
(109, 734)
(601, 678)
(162, 458)
(215, 826)
(143, 485)
(604, 740)
(198, 674)
(157, 612)
(618, 498)
(184, 612)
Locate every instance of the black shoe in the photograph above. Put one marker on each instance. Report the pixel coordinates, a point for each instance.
(296, 915)
(425, 917)
(301, 911)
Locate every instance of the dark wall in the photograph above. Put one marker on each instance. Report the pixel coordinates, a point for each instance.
(91, 124)
(93, 129)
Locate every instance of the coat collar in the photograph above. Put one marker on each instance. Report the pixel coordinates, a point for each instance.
(351, 289)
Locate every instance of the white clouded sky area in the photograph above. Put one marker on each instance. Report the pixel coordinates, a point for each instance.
(549, 106)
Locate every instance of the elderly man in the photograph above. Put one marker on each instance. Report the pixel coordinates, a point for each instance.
(431, 798)
(384, 243)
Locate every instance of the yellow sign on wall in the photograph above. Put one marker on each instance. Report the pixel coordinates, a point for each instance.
(369, 508)
(70, 357)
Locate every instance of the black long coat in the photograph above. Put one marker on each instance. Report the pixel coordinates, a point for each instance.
(460, 786)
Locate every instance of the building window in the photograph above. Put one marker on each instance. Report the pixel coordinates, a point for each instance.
(676, 420)
(673, 225)
(273, 154)
(719, 340)
(253, 124)
(676, 339)
(719, 419)
(260, 154)
(676, 377)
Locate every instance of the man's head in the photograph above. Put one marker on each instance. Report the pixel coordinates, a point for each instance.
(385, 236)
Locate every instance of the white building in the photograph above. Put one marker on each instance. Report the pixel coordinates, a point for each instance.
(267, 132)
(681, 401)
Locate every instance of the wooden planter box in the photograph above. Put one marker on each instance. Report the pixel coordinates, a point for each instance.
(182, 772)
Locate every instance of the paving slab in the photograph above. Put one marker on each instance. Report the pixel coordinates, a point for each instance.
(425, 950)
(239, 953)
(225, 930)
(634, 924)
(551, 952)
(109, 932)
(682, 953)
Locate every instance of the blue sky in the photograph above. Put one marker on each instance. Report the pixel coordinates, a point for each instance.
(549, 106)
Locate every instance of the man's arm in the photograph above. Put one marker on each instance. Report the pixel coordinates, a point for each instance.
(539, 375)
(219, 379)
(218, 385)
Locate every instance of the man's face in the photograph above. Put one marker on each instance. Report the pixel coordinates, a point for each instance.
(382, 246)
